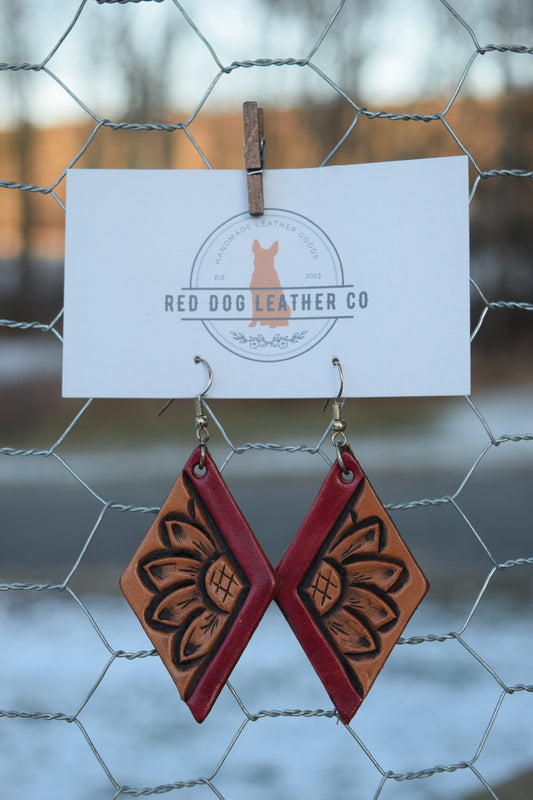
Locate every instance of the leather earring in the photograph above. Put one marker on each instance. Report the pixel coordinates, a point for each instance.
(348, 582)
(199, 581)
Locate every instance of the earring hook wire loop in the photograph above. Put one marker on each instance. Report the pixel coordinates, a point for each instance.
(337, 363)
(338, 438)
(200, 360)
(202, 434)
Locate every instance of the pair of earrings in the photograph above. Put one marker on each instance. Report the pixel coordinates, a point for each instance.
(200, 582)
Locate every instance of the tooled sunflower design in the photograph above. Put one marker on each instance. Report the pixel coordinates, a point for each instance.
(348, 589)
(198, 588)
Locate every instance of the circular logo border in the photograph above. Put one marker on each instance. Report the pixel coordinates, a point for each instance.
(320, 335)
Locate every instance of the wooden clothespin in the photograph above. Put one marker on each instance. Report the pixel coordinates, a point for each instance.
(254, 150)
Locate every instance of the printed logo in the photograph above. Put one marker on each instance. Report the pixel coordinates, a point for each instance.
(267, 288)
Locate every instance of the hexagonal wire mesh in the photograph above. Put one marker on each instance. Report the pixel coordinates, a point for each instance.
(122, 729)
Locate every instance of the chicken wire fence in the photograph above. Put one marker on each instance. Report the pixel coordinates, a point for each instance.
(366, 771)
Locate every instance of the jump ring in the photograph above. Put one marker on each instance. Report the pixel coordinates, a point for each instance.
(201, 463)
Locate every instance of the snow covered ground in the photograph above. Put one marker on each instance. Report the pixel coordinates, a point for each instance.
(430, 706)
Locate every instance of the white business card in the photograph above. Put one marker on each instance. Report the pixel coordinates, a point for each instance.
(367, 263)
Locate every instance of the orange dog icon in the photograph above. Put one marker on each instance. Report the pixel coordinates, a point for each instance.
(268, 299)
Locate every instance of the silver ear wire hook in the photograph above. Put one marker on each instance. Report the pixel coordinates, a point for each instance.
(200, 360)
(338, 425)
(338, 399)
(197, 360)
(202, 434)
(341, 378)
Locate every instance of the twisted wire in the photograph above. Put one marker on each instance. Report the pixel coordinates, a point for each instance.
(495, 439)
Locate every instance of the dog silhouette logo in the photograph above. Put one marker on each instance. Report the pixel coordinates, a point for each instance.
(266, 289)
(268, 298)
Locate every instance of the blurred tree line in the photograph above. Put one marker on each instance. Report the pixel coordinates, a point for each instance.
(496, 131)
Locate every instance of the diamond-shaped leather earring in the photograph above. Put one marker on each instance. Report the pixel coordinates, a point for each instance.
(199, 582)
(348, 582)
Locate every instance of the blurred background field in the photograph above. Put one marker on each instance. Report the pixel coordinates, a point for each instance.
(160, 85)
